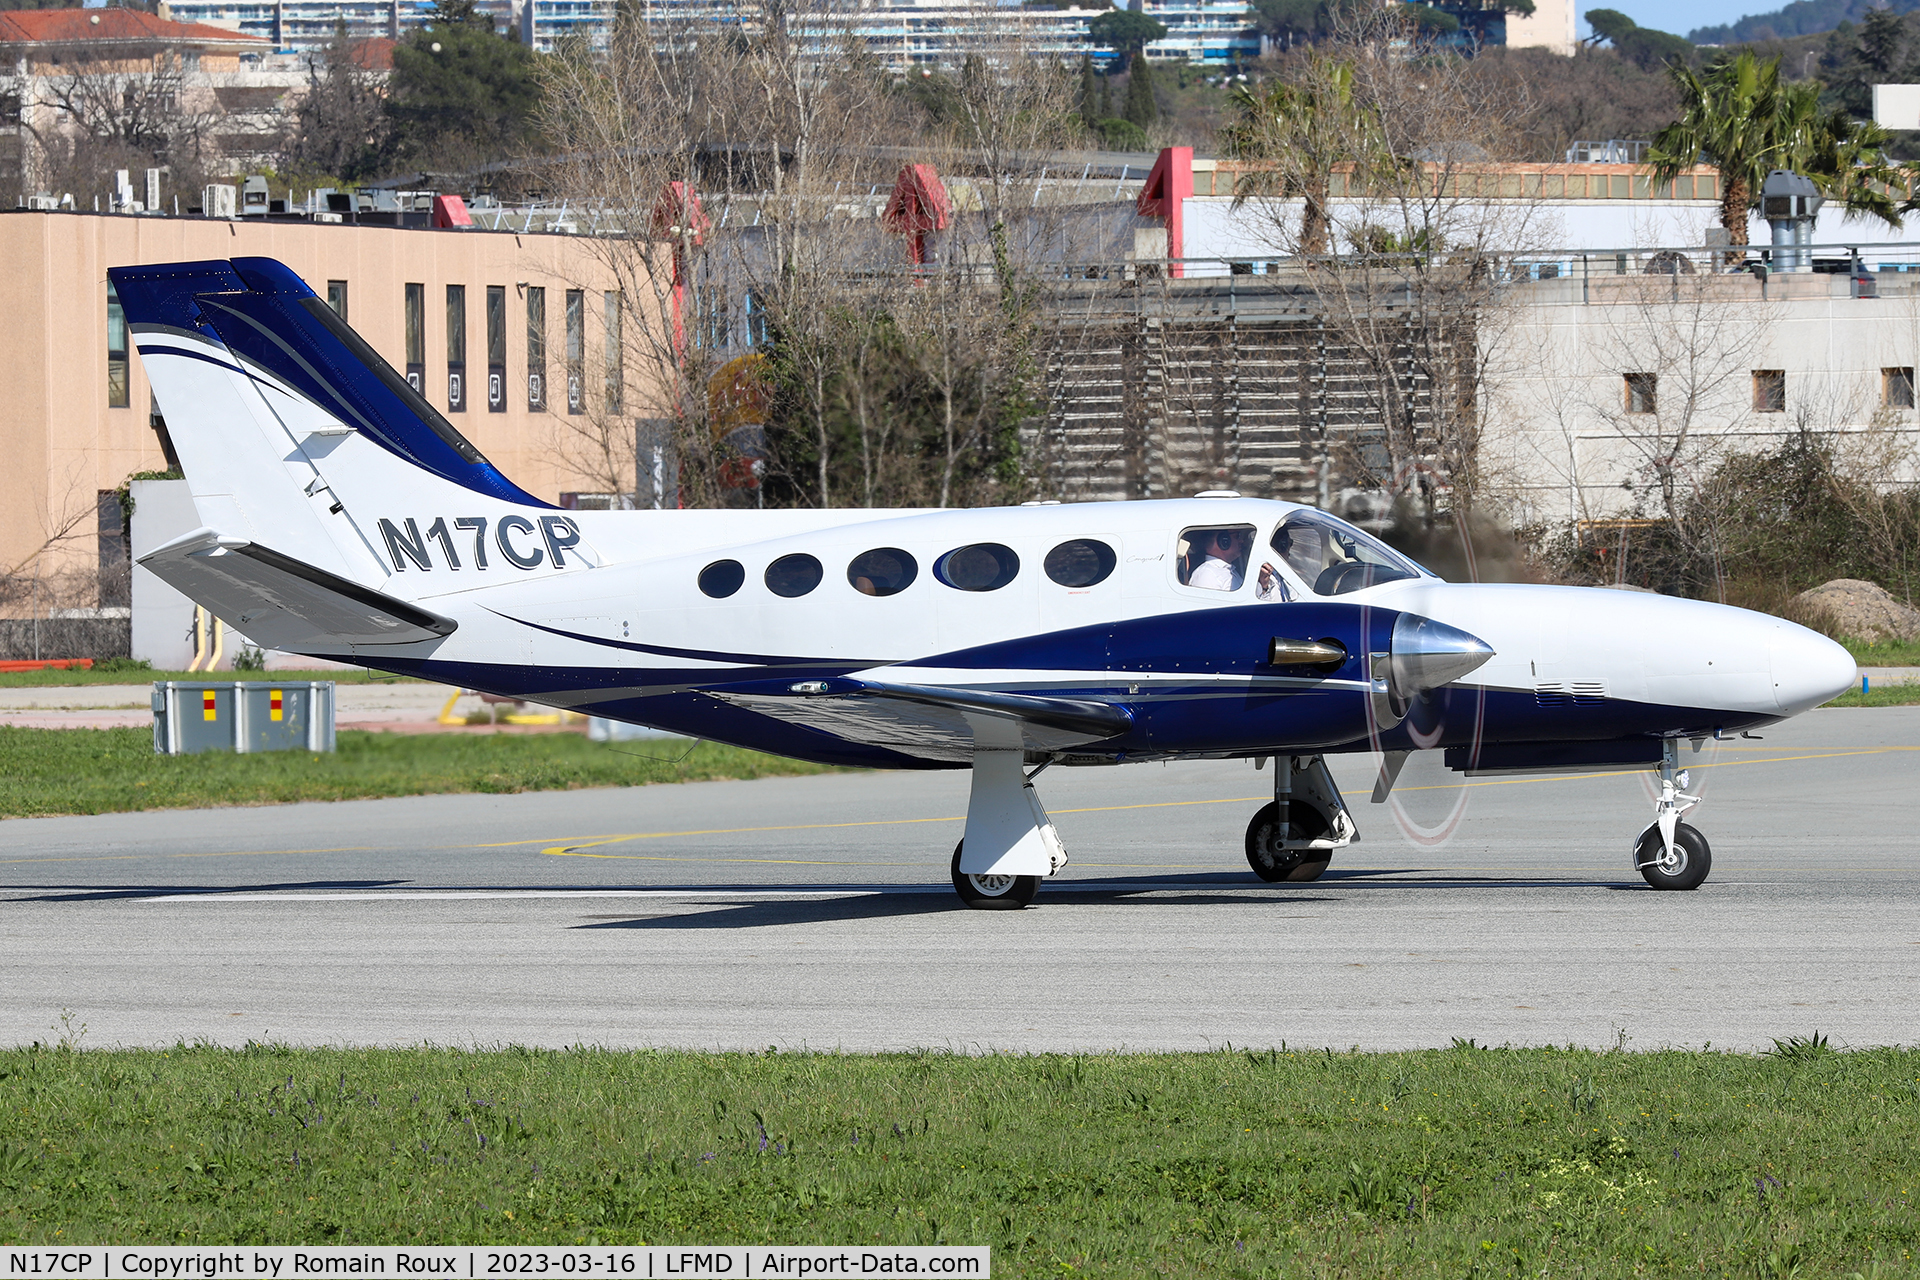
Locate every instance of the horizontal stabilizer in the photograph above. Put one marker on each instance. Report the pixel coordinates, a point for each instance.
(283, 603)
(934, 723)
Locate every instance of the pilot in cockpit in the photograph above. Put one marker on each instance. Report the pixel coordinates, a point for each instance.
(1223, 566)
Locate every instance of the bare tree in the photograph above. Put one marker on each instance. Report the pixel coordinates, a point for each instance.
(1376, 157)
(1684, 345)
(99, 115)
(340, 127)
(748, 166)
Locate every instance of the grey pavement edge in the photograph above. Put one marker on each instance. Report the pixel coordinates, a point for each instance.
(815, 912)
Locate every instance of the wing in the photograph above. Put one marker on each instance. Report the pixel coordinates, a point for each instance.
(934, 723)
(283, 603)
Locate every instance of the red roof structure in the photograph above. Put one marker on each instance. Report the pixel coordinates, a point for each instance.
(115, 28)
(677, 212)
(919, 204)
(919, 201)
(374, 53)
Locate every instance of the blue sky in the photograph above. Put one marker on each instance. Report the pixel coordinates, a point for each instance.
(1681, 18)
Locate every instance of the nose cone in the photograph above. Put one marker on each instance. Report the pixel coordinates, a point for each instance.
(1809, 669)
(1428, 654)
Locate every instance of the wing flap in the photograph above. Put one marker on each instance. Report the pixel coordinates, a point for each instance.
(934, 723)
(283, 603)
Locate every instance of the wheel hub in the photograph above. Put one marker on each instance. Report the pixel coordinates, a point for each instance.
(991, 885)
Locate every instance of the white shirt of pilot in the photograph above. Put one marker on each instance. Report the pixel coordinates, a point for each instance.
(1217, 575)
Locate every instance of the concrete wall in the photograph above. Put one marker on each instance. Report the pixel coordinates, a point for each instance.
(1214, 228)
(162, 617)
(1559, 437)
(62, 443)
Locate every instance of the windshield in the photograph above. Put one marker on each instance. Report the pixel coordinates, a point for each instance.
(1332, 557)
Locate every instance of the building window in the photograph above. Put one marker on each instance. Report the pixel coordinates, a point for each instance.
(417, 337)
(337, 298)
(1896, 388)
(115, 569)
(1641, 392)
(536, 349)
(457, 348)
(496, 348)
(616, 362)
(576, 351)
(118, 370)
(1769, 391)
(756, 321)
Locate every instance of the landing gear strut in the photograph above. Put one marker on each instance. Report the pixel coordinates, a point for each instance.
(1293, 838)
(1669, 854)
(1010, 844)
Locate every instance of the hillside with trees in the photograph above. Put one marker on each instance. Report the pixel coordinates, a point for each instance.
(1801, 18)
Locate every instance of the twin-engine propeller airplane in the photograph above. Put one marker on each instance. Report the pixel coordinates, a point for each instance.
(345, 518)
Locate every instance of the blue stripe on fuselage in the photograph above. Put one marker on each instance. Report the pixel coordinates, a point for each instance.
(1170, 720)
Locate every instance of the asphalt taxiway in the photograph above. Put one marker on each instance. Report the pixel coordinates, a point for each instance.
(816, 912)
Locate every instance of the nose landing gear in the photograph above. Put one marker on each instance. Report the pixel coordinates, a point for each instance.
(1669, 854)
(1293, 838)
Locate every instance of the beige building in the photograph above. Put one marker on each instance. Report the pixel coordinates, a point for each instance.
(1598, 385)
(1553, 24)
(515, 337)
(202, 95)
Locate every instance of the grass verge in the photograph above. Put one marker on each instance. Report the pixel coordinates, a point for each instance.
(1894, 653)
(1456, 1162)
(55, 771)
(1879, 695)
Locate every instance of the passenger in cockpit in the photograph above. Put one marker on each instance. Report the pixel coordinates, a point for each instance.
(1270, 587)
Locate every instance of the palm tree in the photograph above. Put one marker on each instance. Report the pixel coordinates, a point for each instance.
(1739, 116)
(1304, 130)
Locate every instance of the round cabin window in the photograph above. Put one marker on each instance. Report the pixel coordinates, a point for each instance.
(722, 578)
(793, 575)
(984, 566)
(884, 571)
(1080, 563)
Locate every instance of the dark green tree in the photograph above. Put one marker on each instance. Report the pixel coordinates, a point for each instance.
(461, 95)
(1090, 106)
(1642, 46)
(1126, 32)
(1857, 58)
(1429, 21)
(1141, 110)
(1291, 22)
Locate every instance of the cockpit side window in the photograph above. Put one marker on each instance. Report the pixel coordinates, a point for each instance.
(1332, 557)
(1215, 556)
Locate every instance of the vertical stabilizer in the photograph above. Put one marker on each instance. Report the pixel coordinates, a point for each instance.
(292, 431)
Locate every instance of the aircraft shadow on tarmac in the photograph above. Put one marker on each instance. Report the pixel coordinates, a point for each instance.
(1162, 891)
(106, 893)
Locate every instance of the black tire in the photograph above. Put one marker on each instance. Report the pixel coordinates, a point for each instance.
(1693, 859)
(992, 893)
(1279, 866)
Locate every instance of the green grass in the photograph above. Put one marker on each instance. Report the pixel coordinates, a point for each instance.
(50, 771)
(1894, 653)
(1879, 695)
(1460, 1162)
(57, 677)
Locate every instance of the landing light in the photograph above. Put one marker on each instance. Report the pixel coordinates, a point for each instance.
(809, 686)
(1283, 652)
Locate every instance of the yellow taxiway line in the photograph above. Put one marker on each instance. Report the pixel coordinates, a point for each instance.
(580, 848)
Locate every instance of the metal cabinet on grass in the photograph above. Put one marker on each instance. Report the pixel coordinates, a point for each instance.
(191, 716)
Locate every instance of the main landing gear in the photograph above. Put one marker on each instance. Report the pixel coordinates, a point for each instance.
(1010, 843)
(1293, 838)
(1670, 854)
